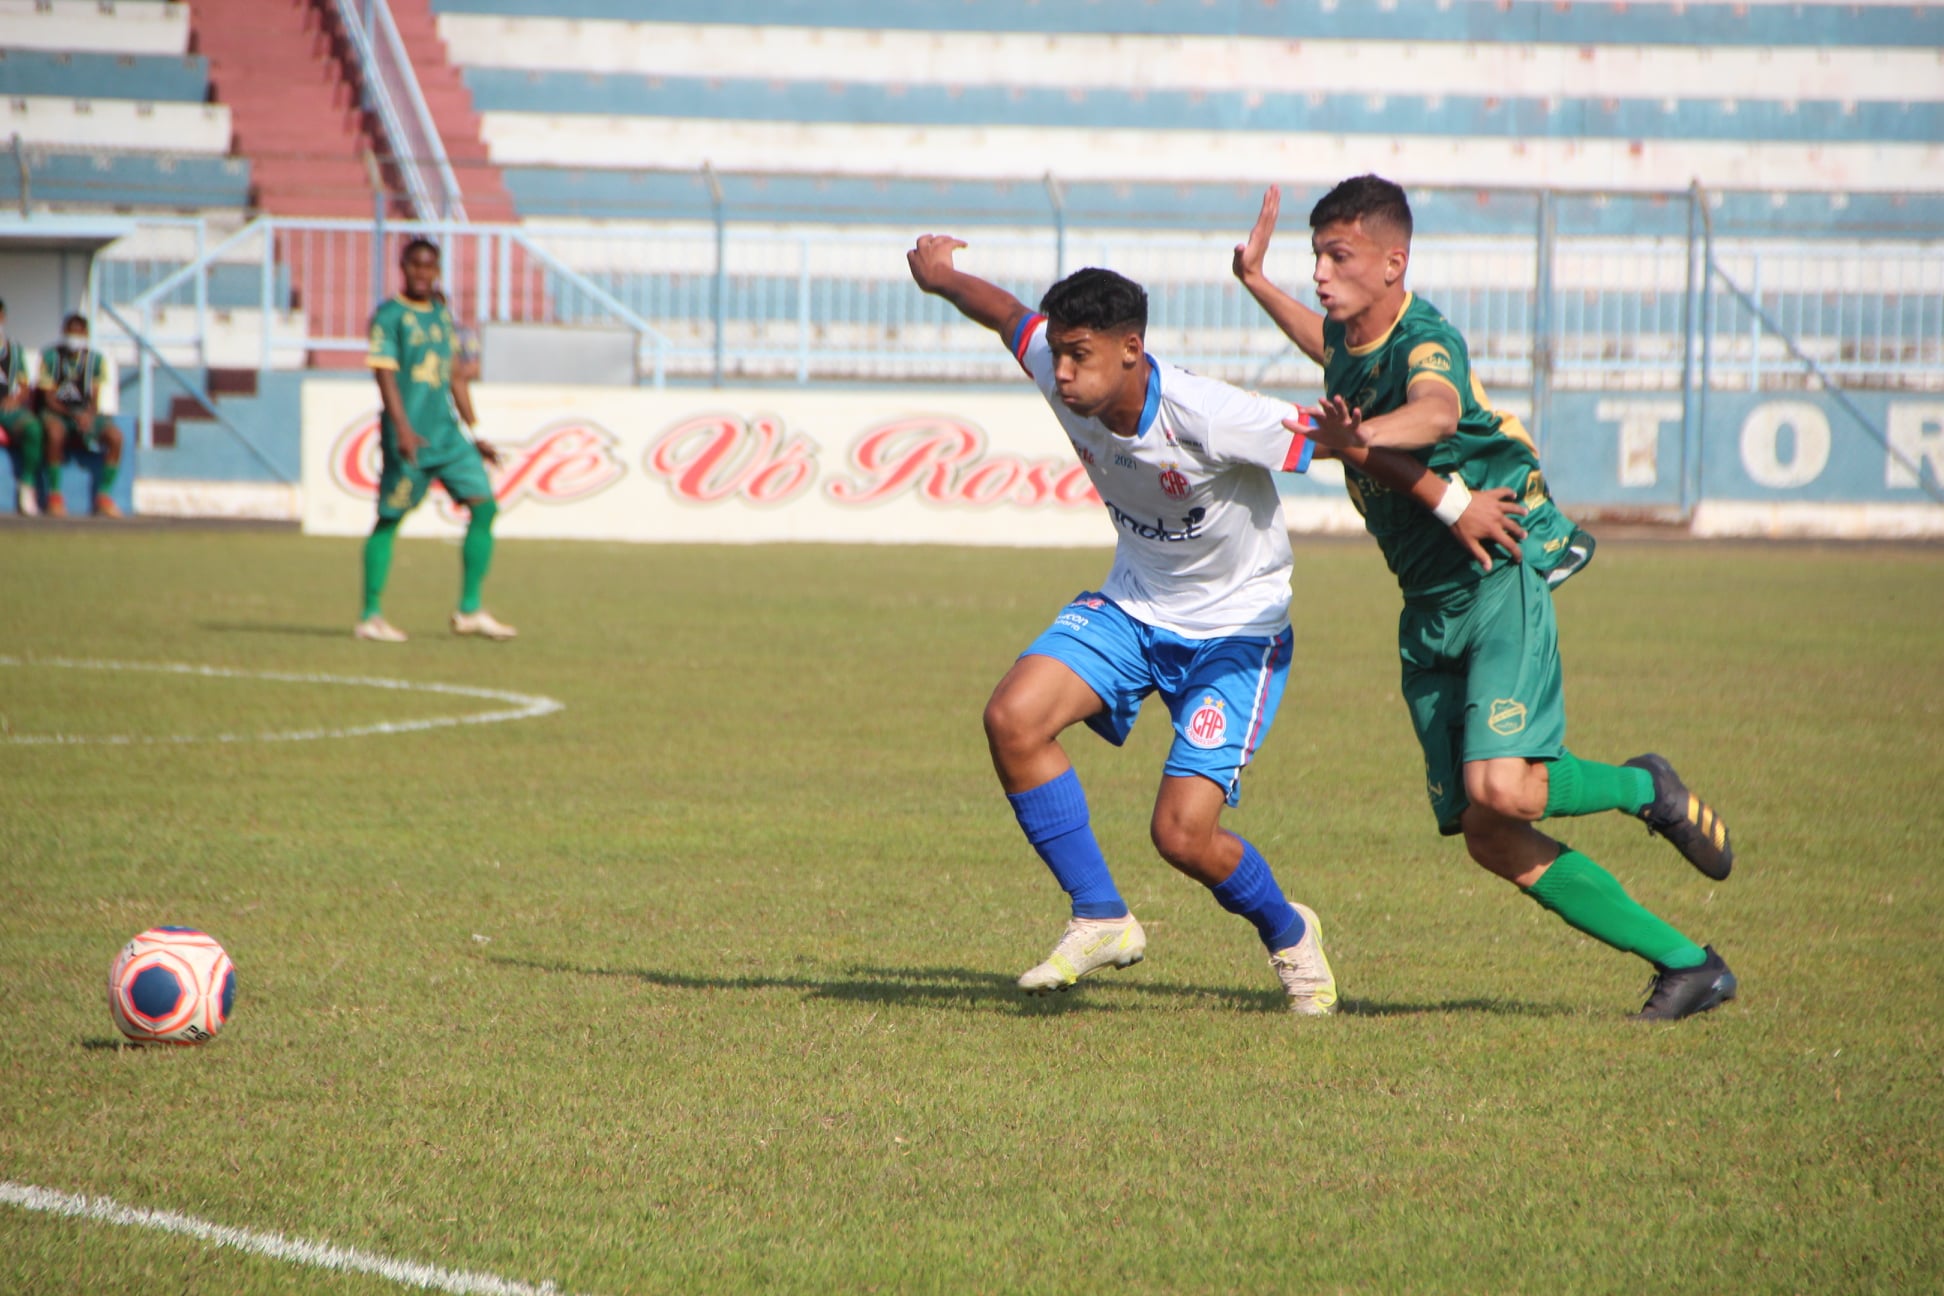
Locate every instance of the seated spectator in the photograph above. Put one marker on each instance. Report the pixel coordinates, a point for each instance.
(17, 419)
(71, 380)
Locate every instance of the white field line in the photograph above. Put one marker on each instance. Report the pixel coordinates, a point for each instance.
(527, 706)
(275, 1246)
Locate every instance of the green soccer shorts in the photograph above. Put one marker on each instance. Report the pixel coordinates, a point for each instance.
(71, 434)
(402, 485)
(1482, 679)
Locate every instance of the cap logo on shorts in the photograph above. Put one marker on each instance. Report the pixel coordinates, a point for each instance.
(1508, 716)
(1208, 726)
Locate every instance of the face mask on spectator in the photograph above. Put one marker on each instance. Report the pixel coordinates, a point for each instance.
(75, 341)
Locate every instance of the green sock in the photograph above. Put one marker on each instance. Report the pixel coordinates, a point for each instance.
(106, 481)
(1581, 787)
(377, 563)
(28, 434)
(1592, 900)
(54, 477)
(476, 555)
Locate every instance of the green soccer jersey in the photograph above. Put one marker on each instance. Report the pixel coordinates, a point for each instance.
(13, 368)
(73, 376)
(416, 342)
(1489, 449)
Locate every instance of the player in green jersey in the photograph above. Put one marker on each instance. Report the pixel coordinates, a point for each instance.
(412, 338)
(72, 377)
(17, 420)
(1480, 648)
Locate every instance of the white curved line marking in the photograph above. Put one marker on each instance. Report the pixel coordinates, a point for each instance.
(276, 1246)
(527, 705)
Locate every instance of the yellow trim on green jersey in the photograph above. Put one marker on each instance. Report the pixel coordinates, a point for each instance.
(1368, 347)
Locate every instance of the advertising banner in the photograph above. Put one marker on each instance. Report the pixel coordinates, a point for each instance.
(916, 467)
(957, 466)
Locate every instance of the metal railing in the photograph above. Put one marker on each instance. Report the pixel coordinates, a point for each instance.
(392, 93)
(720, 301)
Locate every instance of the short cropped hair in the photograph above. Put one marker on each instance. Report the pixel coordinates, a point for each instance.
(72, 320)
(415, 245)
(1099, 300)
(1371, 199)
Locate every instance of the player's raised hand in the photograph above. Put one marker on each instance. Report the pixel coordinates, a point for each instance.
(1490, 518)
(931, 261)
(1335, 423)
(1249, 255)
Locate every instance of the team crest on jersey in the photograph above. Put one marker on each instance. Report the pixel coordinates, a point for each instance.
(1508, 716)
(1208, 726)
(1173, 484)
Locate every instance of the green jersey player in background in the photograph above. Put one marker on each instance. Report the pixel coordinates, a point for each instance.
(17, 419)
(1480, 647)
(421, 441)
(73, 376)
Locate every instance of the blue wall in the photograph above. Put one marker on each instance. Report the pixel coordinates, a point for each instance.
(1523, 21)
(158, 78)
(1298, 112)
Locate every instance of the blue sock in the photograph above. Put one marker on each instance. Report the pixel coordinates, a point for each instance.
(1252, 892)
(1054, 817)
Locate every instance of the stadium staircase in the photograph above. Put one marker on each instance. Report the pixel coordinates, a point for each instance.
(451, 104)
(289, 74)
(220, 384)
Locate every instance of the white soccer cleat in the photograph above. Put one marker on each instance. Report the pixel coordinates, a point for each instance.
(1087, 945)
(27, 502)
(1305, 971)
(378, 630)
(483, 624)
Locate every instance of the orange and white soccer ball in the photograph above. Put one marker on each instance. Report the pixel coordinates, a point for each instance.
(172, 985)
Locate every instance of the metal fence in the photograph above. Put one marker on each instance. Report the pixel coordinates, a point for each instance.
(726, 302)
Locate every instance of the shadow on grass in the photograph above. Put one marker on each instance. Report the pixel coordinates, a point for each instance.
(1496, 1007)
(913, 986)
(258, 627)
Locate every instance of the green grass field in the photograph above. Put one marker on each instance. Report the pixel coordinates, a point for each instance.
(704, 983)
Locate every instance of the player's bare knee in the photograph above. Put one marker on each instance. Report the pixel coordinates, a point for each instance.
(1012, 727)
(1511, 790)
(1184, 844)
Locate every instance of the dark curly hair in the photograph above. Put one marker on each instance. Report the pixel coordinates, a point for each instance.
(1099, 300)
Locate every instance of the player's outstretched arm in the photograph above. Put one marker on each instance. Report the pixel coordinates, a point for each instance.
(979, 301)
(1429, 415)
(1298, 322)
(1476, 519)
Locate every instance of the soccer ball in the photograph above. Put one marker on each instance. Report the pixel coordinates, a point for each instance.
(171, 985)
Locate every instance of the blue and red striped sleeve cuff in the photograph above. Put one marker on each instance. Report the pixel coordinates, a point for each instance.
(1023, 337)
(1301, 448)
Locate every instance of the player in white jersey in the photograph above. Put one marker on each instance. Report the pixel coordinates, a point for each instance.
(1195, 608)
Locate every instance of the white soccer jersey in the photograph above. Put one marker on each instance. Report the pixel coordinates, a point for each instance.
(1201, 546)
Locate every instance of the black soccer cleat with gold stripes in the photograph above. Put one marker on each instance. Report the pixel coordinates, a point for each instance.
(1687, 821)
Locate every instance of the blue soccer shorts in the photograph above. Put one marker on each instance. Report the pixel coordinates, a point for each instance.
(1222, 693)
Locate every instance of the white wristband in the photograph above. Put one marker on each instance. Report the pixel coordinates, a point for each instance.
(1452, 506)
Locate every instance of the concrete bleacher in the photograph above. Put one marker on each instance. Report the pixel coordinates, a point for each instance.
(111, 111)
(1758, 98)
(70, 74)
(102, 26)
